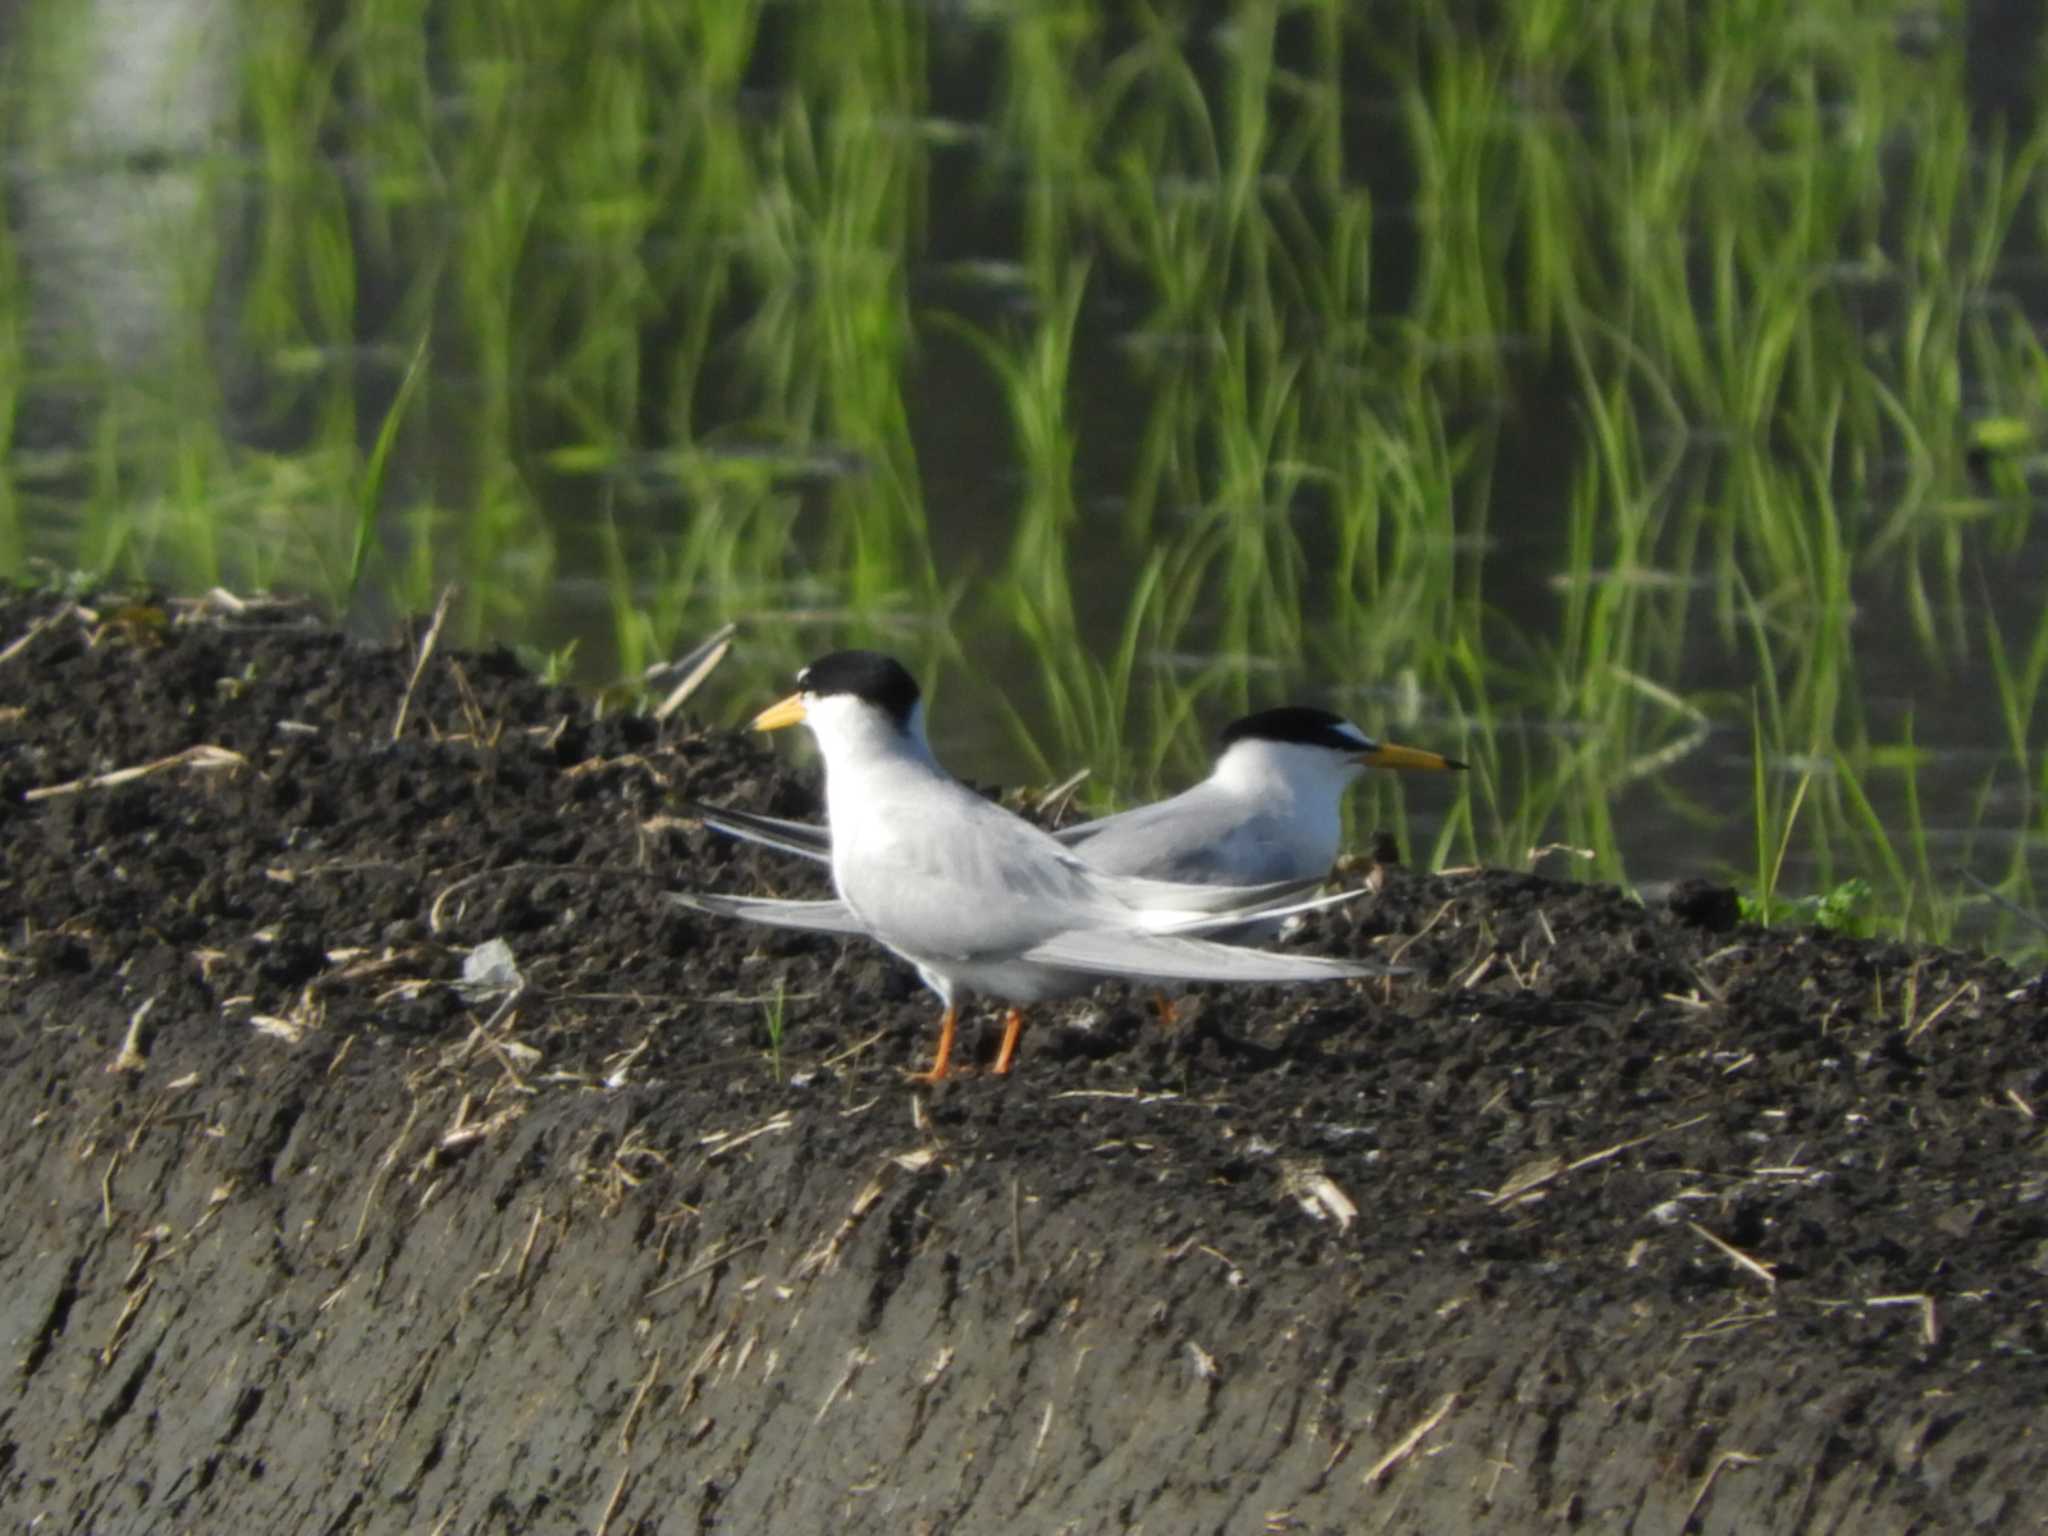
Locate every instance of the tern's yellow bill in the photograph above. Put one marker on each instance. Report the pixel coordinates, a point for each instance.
(784, 712)
(1385, 754)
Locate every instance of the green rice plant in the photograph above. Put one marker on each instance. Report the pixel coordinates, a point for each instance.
(2018, 781)
(1773, 818)
(1845, 909)
(1397, 615)
(1615, 506)
(1878, 838)
(1048, 117)
(555, 668)
(382, 56)
(726, 561)
(1167, 215)
(1253, 434)
(1406, 511)
(1773, 815)
(1034, 377)
(1454, 102)
(299, 297)
(1957, 227)
(825, 349)
(1094, 708)
(708, 179)
(1508, 801)
(1783, 568)
(370, 487)
(2017, 683)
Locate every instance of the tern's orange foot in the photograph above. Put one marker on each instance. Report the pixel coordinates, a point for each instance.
(1013, 1027)
(944, 1056)
(1168, 1014)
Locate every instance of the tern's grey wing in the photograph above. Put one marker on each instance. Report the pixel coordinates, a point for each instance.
(1260, 918)
(1205, 802)
(798, 837)
(938, 873)
(1157, 957)
(1202, 837)
(1175, 906)
(811, 916)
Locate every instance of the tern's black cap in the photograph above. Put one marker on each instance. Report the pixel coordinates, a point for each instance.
(869, 675)
(1297, 723)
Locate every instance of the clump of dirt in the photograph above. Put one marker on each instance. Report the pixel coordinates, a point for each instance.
(1623, 1218)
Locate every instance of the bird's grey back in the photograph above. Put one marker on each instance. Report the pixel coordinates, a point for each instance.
(1198, 838)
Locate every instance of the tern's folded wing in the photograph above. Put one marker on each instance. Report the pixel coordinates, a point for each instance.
(798, 837)
(812, 916)
(1169, 900)
(1158, 957)
(1170, 908)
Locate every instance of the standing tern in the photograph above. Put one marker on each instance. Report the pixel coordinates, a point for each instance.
(978, 899)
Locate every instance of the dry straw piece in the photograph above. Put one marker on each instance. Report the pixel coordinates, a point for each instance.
(202, 756)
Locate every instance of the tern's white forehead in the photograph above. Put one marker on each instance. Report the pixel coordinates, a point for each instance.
(1352, 735)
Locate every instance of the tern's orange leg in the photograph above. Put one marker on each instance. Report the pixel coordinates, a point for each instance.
(1013, 1026)
(1168, 1014)
(945, 1053)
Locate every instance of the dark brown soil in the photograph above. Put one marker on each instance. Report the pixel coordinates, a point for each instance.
(1661, 1224)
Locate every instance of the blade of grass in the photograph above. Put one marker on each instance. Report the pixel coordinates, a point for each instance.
(370, 487)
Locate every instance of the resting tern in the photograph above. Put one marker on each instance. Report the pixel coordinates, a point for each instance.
(978, 899)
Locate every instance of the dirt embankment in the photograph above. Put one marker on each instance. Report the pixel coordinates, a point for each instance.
(1600, 1218)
